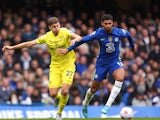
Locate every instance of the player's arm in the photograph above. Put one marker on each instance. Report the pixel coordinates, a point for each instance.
(129, 37)
(83, 40)
(75, 38)
(21, 45)
(130, 41)
(76, 44)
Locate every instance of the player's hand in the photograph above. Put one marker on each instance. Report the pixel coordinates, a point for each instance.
(72, 42)
(62, 51)
(6, 48)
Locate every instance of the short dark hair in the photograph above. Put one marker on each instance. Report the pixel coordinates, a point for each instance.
(106, 17)
(53, 20)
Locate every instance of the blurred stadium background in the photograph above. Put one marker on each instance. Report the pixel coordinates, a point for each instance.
(24, 73)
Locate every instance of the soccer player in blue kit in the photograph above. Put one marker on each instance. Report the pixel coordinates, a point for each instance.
(109, 39)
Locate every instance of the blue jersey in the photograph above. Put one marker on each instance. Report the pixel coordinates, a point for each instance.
(109, 56)
(109, 43)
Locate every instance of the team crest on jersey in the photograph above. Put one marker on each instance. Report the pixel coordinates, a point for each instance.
(116, 39)
(110, 38)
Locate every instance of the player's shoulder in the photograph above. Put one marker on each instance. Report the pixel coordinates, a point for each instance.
(63, 29)
(118, 31)
(99, 30)
(48, 33)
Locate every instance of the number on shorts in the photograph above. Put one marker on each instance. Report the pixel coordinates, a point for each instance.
(120, 63)
(69, 73)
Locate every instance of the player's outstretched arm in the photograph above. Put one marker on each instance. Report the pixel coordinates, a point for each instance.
(75, 38)
(78, 42)
(19, 46)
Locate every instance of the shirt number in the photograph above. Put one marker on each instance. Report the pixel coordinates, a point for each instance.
(110, 47)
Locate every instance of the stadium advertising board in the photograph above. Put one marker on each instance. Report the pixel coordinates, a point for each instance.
(71, 112)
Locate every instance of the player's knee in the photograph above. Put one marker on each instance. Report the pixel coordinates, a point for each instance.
(93, 89)
(53, 94)
(65, 92)
(120, 79)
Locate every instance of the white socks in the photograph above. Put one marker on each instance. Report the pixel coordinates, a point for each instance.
(88, 97)
(114, 93)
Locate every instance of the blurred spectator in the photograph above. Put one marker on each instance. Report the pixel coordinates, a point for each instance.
(128, 96)
(26, 96)
(27, 33)
(13, 99)
(150, 81)
(17, 68)
(74, 92)
(83, 85)
(34, 64)
(34, 23)
(35, 96)
(155, 98)
(141, 100)
(82, 65)
(154, 53)
(89, 72)
(46, 99)
(25, 59)
(77, 100)
(5, 91)
(9, 61)
(19, 90)
(1, 66)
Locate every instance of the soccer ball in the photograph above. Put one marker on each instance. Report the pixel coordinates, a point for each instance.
(126, 113)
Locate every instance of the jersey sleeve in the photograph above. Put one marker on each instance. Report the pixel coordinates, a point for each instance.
(84, 39)
(41, 39)
(127, 35)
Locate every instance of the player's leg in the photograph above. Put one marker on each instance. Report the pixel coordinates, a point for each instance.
(89, 95)
(54, 93)
(100, 74)
(55, 84)
(118, 75)
(67, 75)
(90, 92)
(64, 97)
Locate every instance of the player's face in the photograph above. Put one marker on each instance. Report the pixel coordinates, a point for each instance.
(55, 28)
(107, 24)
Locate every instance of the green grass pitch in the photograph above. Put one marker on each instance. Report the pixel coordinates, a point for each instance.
(89, 119)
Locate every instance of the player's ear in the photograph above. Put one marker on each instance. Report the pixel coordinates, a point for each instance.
(101, 23)
(112, 23)
(49, 27)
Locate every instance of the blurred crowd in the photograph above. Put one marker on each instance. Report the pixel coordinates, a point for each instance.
(24, 72)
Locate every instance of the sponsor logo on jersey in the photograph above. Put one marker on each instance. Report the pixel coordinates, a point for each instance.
(102, 39)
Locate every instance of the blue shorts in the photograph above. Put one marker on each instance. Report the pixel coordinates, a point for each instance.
(102, 69)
